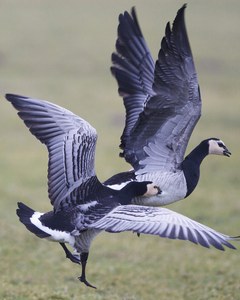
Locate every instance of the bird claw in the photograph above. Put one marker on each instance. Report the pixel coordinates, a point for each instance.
(83, 280)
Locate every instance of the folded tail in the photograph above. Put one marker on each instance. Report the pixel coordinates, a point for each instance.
(25, 214)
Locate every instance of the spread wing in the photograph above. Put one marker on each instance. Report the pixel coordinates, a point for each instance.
(163, 103)
(162, 222)
(133, 68)
(70, 141)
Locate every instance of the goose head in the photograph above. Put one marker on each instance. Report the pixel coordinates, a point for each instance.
(152, 190)
(217, 146)
(143, 188)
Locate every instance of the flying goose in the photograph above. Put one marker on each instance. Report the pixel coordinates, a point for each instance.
(77, 196)
(163, 105)
(82, 206)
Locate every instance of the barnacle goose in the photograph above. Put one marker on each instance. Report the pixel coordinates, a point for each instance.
(83, 207)
(77, 196)
(163, 105)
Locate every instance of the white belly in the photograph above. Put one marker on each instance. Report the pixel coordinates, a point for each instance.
(172, 185)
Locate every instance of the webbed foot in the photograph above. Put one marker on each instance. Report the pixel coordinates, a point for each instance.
(83, 280)
(73, 258)
(69, 255)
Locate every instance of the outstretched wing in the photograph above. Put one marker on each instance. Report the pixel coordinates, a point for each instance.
(168, 101)
(162, 222)
(70, 141)
(133, 68)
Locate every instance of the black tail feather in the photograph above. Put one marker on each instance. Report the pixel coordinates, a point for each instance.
(25, 213)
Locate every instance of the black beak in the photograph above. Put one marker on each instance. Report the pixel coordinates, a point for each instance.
(226, 152)
(159, 190)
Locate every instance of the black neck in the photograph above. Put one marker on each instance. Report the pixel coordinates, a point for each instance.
(199, 153)
(191, 166)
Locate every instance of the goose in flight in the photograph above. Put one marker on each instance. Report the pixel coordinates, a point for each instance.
(78, 198)
(82, 206)
(163, 105)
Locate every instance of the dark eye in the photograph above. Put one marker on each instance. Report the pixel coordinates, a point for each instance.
(220, 145)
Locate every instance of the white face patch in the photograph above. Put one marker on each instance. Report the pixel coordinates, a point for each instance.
(152, 190)
(216, 147)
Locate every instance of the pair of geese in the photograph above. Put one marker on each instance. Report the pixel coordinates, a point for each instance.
(163, 105)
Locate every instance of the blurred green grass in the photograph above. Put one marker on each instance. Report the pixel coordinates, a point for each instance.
(60, 51)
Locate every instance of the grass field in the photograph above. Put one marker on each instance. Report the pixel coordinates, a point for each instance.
(60, 51)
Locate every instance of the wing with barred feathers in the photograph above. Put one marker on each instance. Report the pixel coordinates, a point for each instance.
(162, 222)
(163, 103)
(70, 141)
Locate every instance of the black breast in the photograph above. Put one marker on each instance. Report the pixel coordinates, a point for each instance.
(191, 165)
(191, 172)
